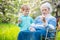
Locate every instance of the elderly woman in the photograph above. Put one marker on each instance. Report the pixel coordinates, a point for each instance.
(44, 21)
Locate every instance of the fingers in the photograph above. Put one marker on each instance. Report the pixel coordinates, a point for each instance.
(32, 29)
(43, 19)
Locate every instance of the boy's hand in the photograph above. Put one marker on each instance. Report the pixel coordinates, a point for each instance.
(19, 21)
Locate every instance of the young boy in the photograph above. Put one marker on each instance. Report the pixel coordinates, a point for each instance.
(25, 20)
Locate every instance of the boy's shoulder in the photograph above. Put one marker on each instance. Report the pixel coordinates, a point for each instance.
(30, 17)
(21, 16)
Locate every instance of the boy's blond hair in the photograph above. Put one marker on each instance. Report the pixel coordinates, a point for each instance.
(25, 7)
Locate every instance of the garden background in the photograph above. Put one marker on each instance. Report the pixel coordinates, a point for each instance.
(9, 13)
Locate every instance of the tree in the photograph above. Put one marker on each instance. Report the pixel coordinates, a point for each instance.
(8, 10)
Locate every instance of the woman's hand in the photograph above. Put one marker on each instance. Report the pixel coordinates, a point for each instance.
(32, 29)
(43, 19)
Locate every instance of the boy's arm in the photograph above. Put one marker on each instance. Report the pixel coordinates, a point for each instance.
(19, 21)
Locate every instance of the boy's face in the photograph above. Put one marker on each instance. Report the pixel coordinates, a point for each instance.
(26, 11)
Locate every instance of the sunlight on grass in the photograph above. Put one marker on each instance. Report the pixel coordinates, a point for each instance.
(9, 32)
(58, 36)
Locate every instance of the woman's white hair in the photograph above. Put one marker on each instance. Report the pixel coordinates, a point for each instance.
(46, 4)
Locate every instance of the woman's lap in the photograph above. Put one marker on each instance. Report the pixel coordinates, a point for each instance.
(28, 35)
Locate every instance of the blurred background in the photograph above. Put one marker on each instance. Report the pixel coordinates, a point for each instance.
(10, 11)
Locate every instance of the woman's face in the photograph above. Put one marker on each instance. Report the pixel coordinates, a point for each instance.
(45, 11)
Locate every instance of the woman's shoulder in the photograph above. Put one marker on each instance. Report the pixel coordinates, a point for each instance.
(52, 18)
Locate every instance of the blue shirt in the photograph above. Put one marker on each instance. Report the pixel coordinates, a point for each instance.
(25, 22)
(39, 24)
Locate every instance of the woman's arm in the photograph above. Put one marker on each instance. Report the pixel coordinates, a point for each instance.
(52, 23)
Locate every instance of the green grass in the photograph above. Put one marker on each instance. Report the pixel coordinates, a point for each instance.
(9, 31)
(58, 35)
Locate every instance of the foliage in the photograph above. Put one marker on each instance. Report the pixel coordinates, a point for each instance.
(58, 35)
(8, 10)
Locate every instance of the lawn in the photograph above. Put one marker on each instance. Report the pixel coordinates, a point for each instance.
(58, 35)
(9, 31)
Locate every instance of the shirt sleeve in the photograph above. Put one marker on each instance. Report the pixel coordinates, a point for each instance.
(52, 23)
(37, 24)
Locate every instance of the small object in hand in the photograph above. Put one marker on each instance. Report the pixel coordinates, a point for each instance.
(32, 29)
(43, 19)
